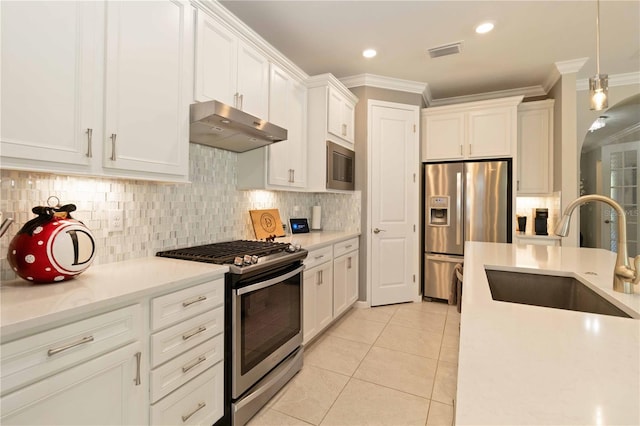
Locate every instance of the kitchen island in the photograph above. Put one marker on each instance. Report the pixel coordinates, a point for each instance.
(521, 364)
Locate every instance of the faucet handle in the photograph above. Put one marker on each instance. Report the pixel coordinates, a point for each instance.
(636, 267)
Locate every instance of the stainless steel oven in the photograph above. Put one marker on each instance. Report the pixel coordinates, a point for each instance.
(266, 325)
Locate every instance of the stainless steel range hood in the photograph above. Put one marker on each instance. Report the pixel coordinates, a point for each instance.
(222, 126)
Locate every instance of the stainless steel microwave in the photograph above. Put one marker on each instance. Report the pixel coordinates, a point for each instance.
(340, 167)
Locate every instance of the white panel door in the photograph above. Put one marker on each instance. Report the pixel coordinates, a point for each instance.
(49, 85)
(148, 86)
(394, 160)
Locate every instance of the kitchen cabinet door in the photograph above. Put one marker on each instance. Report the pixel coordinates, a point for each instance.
(490, 132)
(103, 391)
(345, 282)
(50, 91)
(230, 70)
(148, 87)
(535, 148)
(341, 116)
(317, 300)
(443, 136)
(287, 108)
(216, 61)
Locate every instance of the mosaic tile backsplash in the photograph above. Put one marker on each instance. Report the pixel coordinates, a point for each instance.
(161, 216)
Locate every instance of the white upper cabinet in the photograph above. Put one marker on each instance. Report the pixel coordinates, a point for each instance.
(287, 108)
(535, 148)
(230, 70)
(49, 110)
(341, 113)
(148, 91)
(281, 165)
(483, 129)
(97, 88)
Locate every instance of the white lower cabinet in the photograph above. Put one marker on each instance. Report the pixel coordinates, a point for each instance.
(104, 391)
(345, 275)
(187, 351)
(318, 295)
(87, 372)
(330, 285)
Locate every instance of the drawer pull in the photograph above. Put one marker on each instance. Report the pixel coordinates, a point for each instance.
(196, 300)
(193, 333)
(82, 341)
(348, 247)
(137, 380)
(197, 362)
(200, 406)
(318, 257)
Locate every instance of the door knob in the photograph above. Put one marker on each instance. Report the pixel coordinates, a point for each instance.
(377, 231)
(607, 221)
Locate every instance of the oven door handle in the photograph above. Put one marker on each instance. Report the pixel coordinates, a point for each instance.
(268, 283)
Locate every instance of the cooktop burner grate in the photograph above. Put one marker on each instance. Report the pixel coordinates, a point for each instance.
(226, 252)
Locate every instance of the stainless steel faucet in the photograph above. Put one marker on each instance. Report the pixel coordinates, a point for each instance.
(625, 276)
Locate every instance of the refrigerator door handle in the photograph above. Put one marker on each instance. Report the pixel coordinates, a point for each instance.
(458, 207)
(441, 258)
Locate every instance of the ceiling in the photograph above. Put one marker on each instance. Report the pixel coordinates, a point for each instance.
(529, 37)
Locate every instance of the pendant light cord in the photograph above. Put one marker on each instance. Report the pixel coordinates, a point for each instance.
(598, 37)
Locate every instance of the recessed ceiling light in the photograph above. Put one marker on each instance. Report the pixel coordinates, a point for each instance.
(484, 28)
(369, 53)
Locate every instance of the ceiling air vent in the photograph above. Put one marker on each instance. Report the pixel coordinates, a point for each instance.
(445, 50)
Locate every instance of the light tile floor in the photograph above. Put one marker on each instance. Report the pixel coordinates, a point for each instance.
(389, 365)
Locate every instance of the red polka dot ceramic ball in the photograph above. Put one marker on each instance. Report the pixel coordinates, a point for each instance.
(51, 249)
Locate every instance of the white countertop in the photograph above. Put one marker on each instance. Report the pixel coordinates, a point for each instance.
(25, 306)
(317, 239)
(523, 364)
(537, 237)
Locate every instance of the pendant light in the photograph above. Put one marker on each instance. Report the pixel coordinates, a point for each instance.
(599, 83)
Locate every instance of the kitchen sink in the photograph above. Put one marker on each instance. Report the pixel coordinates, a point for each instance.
(549, 291)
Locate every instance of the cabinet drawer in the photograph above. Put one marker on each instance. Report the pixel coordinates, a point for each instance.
(318, 257)
(27, 359)
(345, 247)
(185, 367)
(177, 306)
(199, 402)
(172, 341)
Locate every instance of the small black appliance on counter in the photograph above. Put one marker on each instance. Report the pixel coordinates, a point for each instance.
(541, 221)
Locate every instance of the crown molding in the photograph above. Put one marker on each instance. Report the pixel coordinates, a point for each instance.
(526, 92)
(383, 82)
(571, 66)
(626, 79)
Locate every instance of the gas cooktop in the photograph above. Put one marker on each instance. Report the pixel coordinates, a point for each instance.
(241, 255)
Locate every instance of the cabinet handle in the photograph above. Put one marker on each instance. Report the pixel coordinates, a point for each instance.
(517, 185)
(461, 153)
(349, 262)
(347, 247)
(293, 175)
(318, 257)
(193, 333)
(344, 130)
(320, 277)
(200, 406)
(82, 341)
(89, 142)
(113, 146)
(196, 300)
(137, 380)
(241, 101)
(469, 149)
(197, 362)
(235, 100)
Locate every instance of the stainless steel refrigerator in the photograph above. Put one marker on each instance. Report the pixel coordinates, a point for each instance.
(463, 201)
